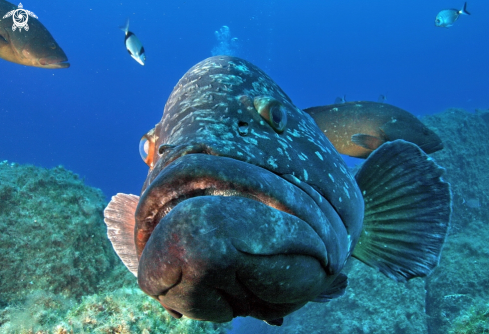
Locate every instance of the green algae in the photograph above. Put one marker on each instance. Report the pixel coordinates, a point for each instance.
(51, 236)
(473, 321)
(125, 310)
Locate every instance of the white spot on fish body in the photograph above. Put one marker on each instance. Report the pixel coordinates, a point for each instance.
(349, 242)
(340, 199)
(294, 133)
(305, 175)
(319, 155)
(250, 140)
(272, 162)
(259, 136)
(346, 191)
(331, 177)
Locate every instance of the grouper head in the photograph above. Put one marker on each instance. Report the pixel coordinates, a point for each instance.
(247, 209)
(34, 47)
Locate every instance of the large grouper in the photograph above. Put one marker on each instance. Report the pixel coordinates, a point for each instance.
(34, 46)
(248, 210)
(358, 128)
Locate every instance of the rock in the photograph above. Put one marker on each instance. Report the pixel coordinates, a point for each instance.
(462, 278)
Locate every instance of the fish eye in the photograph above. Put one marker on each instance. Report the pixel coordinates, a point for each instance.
(272, 111)
(52, 46)
(146, 147)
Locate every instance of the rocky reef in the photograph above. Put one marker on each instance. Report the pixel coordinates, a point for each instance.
(59, 273)
(461, 282)
(51, 238)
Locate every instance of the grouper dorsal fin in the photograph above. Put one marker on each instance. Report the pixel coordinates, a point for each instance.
(120, 221)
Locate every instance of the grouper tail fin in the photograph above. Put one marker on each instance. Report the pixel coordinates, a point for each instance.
(407, 211)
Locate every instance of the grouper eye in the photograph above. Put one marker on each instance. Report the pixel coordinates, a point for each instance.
(146, 147)
(272, 111)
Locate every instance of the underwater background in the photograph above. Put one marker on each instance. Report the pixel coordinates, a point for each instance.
(80, 128)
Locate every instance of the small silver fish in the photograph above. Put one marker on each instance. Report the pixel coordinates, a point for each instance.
(447, 17)
(134, 45)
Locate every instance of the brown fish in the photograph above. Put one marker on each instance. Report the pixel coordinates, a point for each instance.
(358, 128)
(28, 42)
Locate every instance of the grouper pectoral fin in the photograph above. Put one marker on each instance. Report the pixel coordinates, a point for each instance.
(120, 221)
(367, 141)
(335, 290)
(407, 211)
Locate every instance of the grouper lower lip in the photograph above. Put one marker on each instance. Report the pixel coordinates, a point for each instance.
(218, 225)
(54, 62)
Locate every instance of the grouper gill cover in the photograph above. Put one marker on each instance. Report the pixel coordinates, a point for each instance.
(248, 210)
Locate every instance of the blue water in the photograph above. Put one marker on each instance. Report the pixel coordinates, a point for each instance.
(90, 117)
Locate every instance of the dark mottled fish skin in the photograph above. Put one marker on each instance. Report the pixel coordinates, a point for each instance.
(358, 128)
(227, 86)
(35, 47)
(248, 210)
(212, 133)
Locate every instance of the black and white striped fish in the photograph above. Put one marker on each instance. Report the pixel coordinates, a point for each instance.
(134, 45)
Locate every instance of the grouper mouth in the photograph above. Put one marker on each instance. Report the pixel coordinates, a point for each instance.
(219, 238)
(54, 62)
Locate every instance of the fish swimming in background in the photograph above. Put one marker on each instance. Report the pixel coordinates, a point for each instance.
(31, 46)
(134, 45)
(358, 128)
(248, 210)
(382, 98)
(340, 99)
(447, 17)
